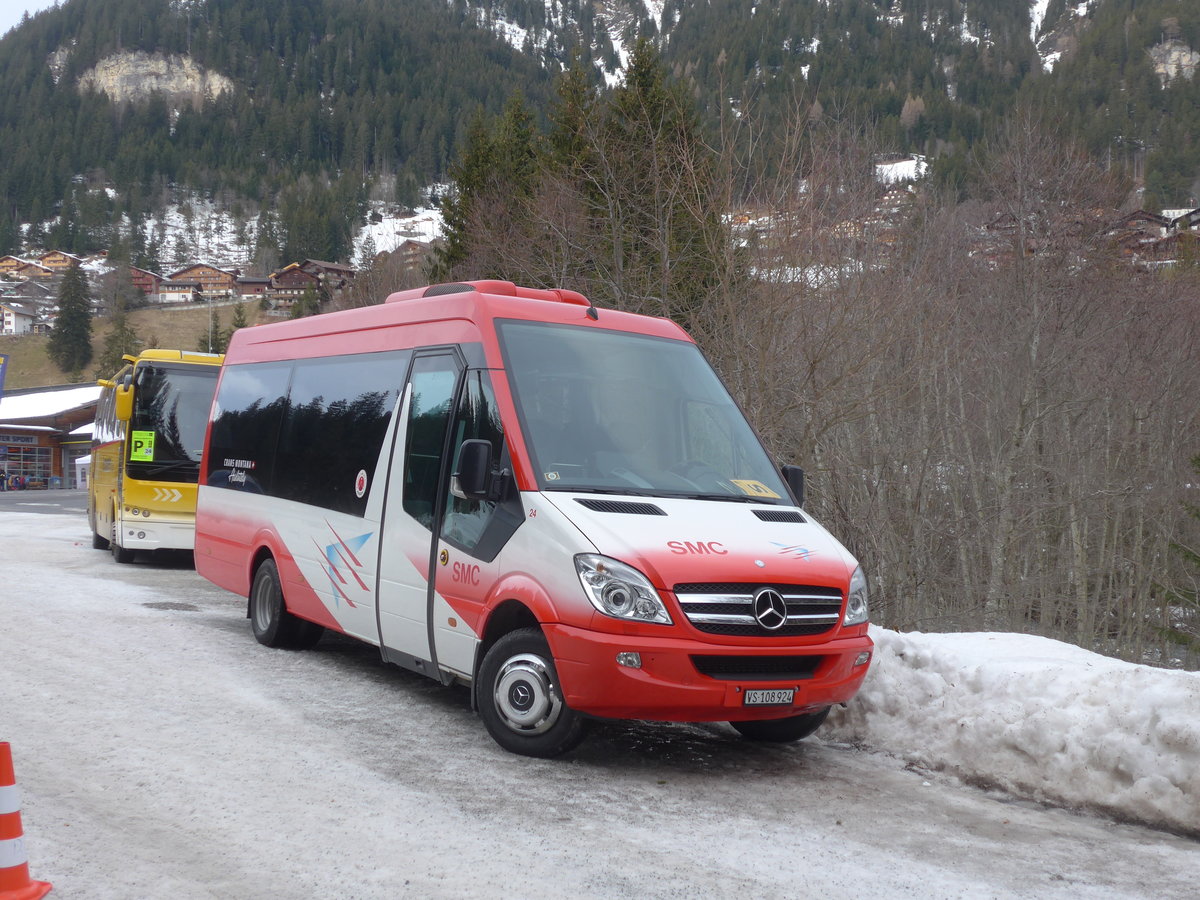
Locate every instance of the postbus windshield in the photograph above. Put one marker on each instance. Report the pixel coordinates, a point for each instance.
(613, 412)
(170, 413)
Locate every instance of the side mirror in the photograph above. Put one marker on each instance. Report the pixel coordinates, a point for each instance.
(124, 398)
(794, 476)
(471, 481)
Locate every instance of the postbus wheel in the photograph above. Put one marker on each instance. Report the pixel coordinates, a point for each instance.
(779, 731)
(273, 625)
(119, 553)
(98, 542)
(520, 700)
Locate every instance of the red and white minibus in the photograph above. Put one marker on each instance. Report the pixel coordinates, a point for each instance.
(557, 505)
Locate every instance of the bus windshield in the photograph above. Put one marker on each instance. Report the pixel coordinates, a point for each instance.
(170, 413)
(613, 412)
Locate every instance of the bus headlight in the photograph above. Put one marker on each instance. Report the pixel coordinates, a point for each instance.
(618, 590)
(856, 607)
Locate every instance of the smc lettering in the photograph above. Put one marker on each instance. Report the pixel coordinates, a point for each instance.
(465, 573)
(701, 548)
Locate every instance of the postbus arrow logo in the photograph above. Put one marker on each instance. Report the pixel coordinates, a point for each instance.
(168, 495)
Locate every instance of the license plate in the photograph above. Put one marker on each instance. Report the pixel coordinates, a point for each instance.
(768, 698)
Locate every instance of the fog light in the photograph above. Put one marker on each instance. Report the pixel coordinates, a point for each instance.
(134, 511)
(141, 535)
(863, 658)
(629, 660)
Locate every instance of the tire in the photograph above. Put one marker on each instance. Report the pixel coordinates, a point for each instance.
(781, 731)
(520, 700)
(98, 543)
(273, 625)
(119, 553)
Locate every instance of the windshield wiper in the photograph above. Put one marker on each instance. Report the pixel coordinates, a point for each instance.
(159, 468)
(629, 492)
(731, 498)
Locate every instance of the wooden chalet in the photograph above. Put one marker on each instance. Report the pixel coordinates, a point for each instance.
(34, 270)
(1186, 222)
(413, 255)
(213, 282)
(1142, 222)
(253, 287)
(144, 280)
(58, 261)
(334, 276)
(10, 263)
(290, 282)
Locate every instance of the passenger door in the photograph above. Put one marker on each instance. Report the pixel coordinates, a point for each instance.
(412, 507)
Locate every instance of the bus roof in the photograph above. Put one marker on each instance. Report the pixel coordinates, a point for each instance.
(185, 356)
(461, 311)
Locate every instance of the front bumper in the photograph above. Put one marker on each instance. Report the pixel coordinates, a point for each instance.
(669, 687)
(156, 534)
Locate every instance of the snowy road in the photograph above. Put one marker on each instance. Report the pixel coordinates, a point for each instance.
(162, 753)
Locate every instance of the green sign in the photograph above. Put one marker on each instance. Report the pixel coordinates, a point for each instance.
(141, 446)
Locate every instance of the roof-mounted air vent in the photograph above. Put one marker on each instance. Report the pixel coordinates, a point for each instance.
(440, 290)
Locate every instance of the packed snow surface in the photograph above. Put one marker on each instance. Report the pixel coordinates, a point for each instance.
(160, 752)
(1036, 717)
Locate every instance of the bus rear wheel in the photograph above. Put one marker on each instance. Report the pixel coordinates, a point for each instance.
(520, 699)
(273, 625)
(780, 731)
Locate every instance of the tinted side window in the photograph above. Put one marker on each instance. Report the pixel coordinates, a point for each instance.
(247, 415)
(433, 381)
(477, 417)
(337, 417)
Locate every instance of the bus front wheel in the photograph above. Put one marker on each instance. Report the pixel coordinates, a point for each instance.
(119, 553)
(520, 699)
(273, 625)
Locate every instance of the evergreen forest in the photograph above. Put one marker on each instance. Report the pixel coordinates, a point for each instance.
(332, 98)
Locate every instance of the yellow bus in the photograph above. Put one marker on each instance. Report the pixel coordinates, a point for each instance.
(146, 447)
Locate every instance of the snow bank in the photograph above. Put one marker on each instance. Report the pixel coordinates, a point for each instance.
(1036, 717)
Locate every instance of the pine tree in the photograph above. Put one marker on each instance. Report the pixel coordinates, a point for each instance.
(70, 344)
(121, 339)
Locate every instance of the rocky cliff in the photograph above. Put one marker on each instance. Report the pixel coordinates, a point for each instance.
(135, 76)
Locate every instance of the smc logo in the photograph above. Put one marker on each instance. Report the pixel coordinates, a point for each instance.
(465, 573)
(702, 548)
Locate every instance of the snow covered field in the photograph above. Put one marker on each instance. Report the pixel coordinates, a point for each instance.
(161, 752)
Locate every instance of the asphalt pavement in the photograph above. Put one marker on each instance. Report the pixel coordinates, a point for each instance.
(44, 501)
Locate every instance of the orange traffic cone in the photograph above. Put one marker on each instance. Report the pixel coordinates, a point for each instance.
(14, 863)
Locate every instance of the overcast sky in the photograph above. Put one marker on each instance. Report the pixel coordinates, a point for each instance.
(11, 11)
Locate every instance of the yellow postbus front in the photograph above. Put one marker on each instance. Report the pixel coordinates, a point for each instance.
(146, 447)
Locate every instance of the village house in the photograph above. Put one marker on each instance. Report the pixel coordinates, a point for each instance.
(334, 276)
(412, 255)
(17, 317)
(34, 270)
(10, 263)
(58, 261)
(213, 282)
(253, 287)
(290, 283)
(145, 281)
(181, 291)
